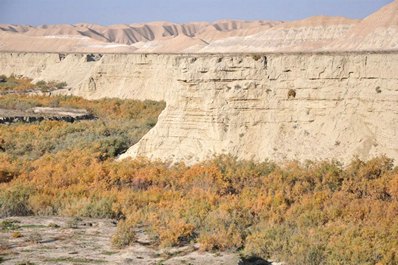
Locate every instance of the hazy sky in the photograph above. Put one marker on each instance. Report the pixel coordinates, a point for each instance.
(107, 12)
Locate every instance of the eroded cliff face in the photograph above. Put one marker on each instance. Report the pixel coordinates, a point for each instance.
(340, 105)
(93, 76)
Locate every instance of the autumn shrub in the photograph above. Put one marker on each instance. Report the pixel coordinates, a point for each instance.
(14, 201)
(8, 168)
(16, 234)
(44, 204)
(392, 186)
(177, 232)
(125, 234)
(225, 227)
(269, 241)
(120, 124)
(99, 208)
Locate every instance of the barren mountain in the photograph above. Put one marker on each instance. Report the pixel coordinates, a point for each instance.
(379, 31)
(303, 35)
(57, 43)
(150, 37)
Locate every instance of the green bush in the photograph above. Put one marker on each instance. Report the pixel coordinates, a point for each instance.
(41, 84)
(61, 85)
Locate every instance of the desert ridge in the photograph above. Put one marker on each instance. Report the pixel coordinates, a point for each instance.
(149, 37)
(374, 33)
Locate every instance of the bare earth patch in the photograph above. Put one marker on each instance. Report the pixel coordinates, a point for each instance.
(62, 240)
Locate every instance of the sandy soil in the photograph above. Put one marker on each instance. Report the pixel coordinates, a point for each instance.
(57, 240)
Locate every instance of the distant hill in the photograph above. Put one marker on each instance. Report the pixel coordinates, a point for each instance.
(379, 31)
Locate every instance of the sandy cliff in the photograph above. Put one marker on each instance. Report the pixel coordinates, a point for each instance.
(342, 105)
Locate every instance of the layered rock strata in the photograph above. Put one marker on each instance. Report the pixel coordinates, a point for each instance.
(253, 106)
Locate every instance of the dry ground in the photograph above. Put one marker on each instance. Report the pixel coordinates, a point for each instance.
(58, 240)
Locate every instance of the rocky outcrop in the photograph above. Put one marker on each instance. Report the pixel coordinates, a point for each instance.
(37, 114)
(259, 106)
(137, 76)
(342, 106)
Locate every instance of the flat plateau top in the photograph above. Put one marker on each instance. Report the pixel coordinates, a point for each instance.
(217, 54)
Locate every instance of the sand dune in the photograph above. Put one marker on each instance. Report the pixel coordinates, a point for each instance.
(379, 31)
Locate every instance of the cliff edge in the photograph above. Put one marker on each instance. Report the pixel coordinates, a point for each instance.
(254, 106)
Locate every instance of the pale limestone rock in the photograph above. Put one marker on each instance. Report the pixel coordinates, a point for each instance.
(345, 103)
(240, 106)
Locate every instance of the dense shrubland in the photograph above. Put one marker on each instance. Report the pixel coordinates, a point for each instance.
(119, 124)
(300, 213)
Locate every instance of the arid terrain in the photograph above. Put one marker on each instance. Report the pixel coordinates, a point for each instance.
(227, 143)
(57, 240)
(376, 32)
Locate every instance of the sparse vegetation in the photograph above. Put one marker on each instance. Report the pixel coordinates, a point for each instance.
(120, 124)
(15, 83)
(311, 213)
(124, 235)
(9, 225)
(256, 57)
(53, 225)
(75, 260)
(34, 238)
(16, 234)
(25, 263)
(19, 84)
(74, 222)
(44, 86)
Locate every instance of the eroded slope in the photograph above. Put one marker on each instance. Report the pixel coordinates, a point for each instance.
(278, 106)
